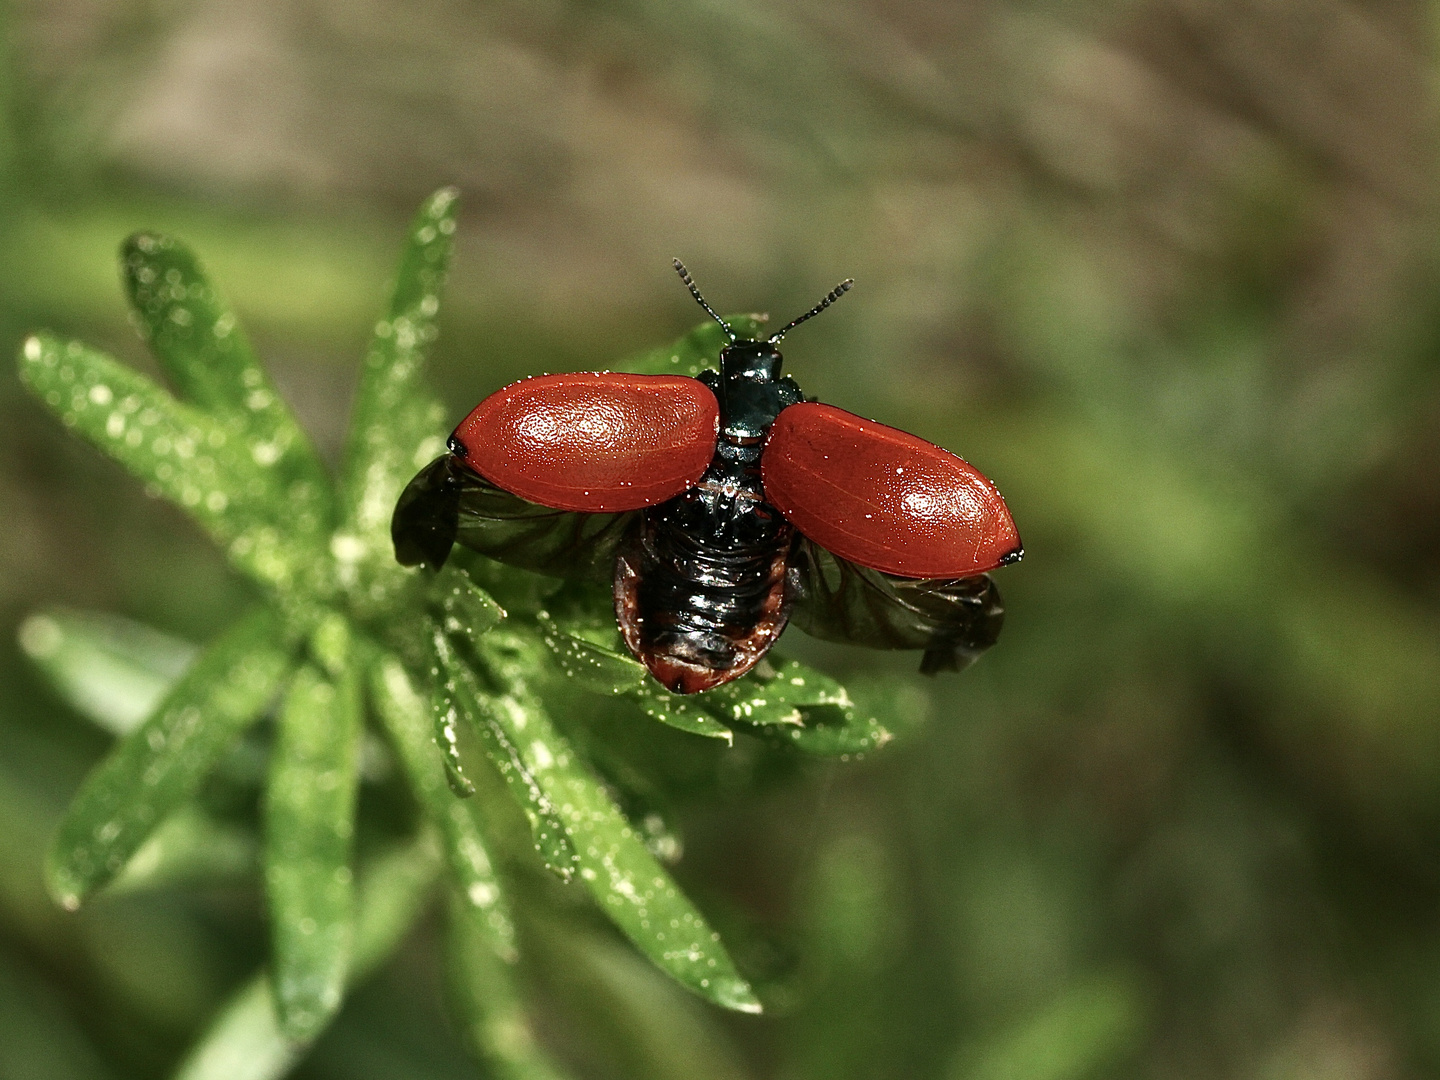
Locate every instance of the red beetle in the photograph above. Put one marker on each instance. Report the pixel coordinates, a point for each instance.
(721, 508)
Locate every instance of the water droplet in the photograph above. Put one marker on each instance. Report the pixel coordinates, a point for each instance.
(40, 636)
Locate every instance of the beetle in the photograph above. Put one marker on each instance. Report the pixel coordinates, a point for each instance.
(720, 508)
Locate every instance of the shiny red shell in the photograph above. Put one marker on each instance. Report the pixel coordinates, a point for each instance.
(592, 442)
(883, 498)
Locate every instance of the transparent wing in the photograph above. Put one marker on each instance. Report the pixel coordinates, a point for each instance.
(953, 619)
(447, 503)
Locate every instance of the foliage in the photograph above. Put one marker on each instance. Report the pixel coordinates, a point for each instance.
(479, 679)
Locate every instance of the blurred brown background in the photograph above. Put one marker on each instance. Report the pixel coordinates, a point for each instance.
(1165, 269)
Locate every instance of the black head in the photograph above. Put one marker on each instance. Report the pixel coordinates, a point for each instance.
(747, 358)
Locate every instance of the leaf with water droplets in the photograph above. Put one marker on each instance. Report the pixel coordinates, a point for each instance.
(245, 1042)
(693, 353)
(499, 721)
(796, 704)
(593, 667)
(466, 610)
(161, 764)
(773, 693)
(832, 731)
(203, 349)
(196, 461)
(677, 711)
(404, 714)
(112, 670)
(309, 828)
(631, 887)
(398, 422)
(489, 1013)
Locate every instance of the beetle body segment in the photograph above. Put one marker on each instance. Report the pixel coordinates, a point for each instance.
(883, 498)
(593, 442)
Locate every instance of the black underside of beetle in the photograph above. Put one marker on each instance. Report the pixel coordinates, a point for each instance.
(701, 591)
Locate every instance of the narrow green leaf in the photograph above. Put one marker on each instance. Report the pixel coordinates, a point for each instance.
(245, 1042)
(693, 353)
(398, 423)
(489, 1012)
(196, 461)
(632, 888)
(832, 731)
(161, 764)
(774, 692)
(794, 703)
(203, 349)
(309, 827)
(190, 846)
(499, 721)
(404, 713)
(112, 670)
(678, 711)
(467, 610)
(593, 667)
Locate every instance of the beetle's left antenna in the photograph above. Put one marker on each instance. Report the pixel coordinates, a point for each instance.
(685, 277)
(834, 294)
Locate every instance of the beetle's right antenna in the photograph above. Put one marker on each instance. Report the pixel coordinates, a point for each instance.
(685, 277)
(833, 295)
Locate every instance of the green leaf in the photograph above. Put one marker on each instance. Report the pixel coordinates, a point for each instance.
(693, 353)
(309, 827)
(593, 667)
(774, 692)
(798, 705)
(203, 349)
(196, 461)
(398, 423)
(632, 888)
(499, 721)
(405, 715)
(112, 670)
(830, 731)
(190, 846)
(161, 764)
(467, 610)
(245, 1042)
(488, 1009)
(677, 711)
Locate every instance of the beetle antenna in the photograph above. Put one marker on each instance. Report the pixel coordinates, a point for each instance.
(834, 294)
(685, 277)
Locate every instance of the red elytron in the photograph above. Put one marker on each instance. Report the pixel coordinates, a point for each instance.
(594, 442)
(882, 497)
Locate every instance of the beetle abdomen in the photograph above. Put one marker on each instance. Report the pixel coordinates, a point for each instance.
(593, 442)
(702, 595)
(884, 498)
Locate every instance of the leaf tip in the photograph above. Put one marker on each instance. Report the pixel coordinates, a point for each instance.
(735, 994)
(61, 884)
(443, 202)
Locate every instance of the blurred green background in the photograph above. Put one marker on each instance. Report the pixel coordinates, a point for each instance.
(1164, 269)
